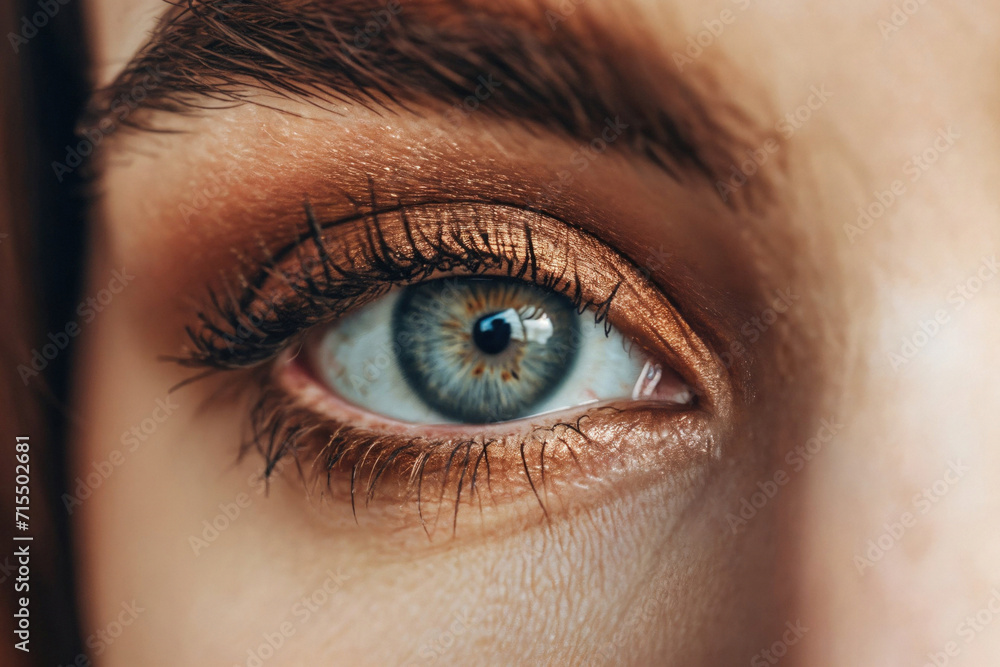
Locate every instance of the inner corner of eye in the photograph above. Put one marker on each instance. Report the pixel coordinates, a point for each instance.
(481, 350)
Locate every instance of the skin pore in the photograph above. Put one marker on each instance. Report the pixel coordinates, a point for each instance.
(832, 405)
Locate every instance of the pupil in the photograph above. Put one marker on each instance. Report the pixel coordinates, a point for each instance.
(491, 333)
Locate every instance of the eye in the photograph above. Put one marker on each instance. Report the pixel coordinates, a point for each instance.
(453, 345)
(474, 350)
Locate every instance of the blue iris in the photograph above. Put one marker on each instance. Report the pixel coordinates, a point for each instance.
(481, 350)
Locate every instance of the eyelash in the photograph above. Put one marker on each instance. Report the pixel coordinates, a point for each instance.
(251, 329)
(232, 336)
(280, 428)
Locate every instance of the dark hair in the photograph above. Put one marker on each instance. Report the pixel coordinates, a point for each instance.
(42, 241)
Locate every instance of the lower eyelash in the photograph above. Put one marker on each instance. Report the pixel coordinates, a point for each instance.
(280, 428)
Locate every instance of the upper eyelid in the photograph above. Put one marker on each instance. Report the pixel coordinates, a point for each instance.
(251, 297)
(374, 211)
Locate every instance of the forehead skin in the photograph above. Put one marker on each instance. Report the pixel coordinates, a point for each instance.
(904, 125)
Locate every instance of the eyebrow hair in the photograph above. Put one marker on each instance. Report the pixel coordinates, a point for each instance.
(574, 76)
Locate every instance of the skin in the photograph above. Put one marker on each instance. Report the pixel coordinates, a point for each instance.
(629, 571)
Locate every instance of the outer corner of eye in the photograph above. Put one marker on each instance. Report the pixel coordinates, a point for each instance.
(482, 350)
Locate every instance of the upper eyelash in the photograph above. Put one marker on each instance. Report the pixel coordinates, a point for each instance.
(230, 336)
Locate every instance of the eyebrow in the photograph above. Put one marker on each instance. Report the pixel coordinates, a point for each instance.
(571, 75)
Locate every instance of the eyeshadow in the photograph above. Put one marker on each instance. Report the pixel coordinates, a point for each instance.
(343, 264)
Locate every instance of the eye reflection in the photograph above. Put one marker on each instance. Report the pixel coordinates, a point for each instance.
(474, 350)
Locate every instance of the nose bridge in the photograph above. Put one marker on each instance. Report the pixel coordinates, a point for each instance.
(899, 521)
